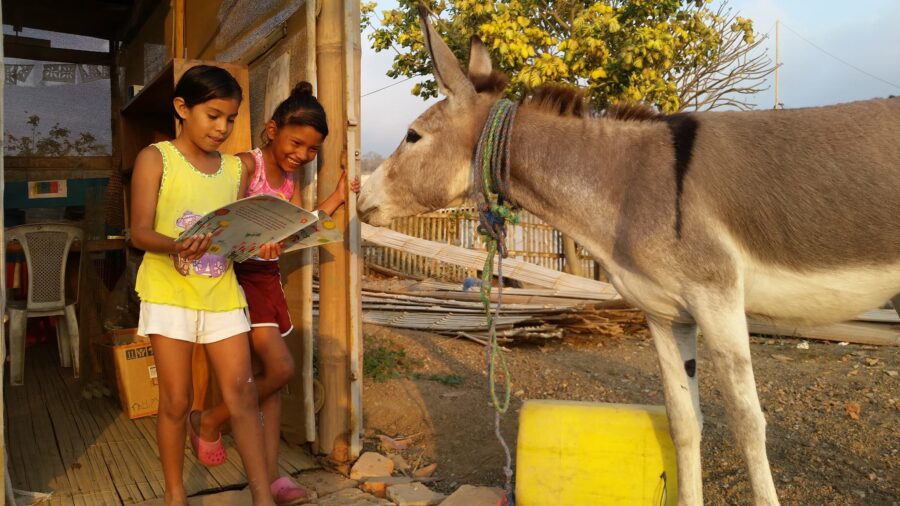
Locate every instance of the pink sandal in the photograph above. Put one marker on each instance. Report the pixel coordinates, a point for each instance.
(285, 492)
(210, 454)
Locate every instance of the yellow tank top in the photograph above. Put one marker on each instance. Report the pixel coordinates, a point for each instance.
(185, 195)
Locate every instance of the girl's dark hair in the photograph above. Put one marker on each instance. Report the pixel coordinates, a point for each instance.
(301, 108)
(204, 83)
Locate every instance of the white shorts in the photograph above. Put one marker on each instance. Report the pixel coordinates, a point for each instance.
(201, 327)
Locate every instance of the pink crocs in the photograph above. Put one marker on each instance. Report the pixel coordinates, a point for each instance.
(210, 454)
(285, 492)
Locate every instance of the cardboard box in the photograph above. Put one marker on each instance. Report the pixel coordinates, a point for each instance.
(123, 336)
(131, 369)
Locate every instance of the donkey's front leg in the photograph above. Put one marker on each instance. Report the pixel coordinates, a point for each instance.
(724, 326)
(676, 347)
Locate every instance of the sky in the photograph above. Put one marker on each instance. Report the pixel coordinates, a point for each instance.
(830, 51)
(81, 107)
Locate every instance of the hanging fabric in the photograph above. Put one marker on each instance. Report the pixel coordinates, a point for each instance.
(17, 74)
(59, 73)
(90, 73)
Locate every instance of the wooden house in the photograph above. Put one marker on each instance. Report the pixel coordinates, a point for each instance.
(63, 435)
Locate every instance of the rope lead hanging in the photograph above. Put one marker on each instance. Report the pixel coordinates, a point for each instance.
(496, 209)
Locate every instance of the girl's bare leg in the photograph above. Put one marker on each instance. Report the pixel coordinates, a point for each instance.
(277, 370)
(173, 366)
(230, 360)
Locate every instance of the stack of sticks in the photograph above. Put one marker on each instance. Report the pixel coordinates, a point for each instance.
(525, 314)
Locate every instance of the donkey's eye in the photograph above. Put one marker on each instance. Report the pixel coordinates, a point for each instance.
(412, 136)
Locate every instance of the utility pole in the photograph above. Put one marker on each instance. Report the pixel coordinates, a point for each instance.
(777, 62)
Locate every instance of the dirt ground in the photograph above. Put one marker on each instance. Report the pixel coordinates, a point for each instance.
(832, 410)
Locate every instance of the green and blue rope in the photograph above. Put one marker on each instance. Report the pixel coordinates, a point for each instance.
(496, 209)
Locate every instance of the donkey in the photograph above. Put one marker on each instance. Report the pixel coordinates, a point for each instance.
(699, 219)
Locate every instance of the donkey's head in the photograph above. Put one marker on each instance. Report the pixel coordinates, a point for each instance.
(431, 168)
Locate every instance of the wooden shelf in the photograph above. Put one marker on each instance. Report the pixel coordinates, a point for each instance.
(155, 94)
(148, 117)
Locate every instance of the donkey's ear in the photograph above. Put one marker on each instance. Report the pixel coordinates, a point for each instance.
(479, 61)
(451, 80)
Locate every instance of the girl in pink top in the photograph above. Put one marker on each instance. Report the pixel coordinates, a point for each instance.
(292, 138)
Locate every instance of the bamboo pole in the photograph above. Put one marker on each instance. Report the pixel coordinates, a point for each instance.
(571, 257)
(352, 73)
(435, 233)
(420, 260)
(7, 482)
(306, 256)
(337, 53)
(333, 324)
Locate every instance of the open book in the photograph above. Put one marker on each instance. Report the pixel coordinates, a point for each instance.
(242, 227)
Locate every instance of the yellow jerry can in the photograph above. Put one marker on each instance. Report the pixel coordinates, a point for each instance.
(594, 454)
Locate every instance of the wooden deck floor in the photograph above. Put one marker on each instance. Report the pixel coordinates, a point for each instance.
(87, 452)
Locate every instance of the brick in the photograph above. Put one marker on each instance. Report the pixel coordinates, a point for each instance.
(352, 497)
(467, 495)
(413, 494)
(371, 464)
(324, 482)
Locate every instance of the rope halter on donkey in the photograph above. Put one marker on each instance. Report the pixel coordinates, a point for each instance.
(490, 169)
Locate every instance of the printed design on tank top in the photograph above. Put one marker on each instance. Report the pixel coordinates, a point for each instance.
(209, 264)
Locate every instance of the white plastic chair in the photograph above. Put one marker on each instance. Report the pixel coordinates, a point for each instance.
(46, 249)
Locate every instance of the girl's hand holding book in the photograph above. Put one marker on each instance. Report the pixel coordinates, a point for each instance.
(193, 247)
(270, 251)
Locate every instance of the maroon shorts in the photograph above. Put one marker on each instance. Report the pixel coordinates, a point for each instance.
(261, 281)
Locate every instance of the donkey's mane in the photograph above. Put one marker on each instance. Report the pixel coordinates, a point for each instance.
(559, 99)
(569, 101)
(633, 112)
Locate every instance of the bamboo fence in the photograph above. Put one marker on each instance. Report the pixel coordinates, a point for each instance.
(531, 241)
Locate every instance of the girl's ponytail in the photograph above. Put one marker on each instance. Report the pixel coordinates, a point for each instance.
(301, 108)
(302, 90)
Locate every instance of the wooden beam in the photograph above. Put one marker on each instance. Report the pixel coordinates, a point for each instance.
(305, 276)
(352, 82)
(7, 496)
(474, 259)
(27, 41)
(849, 332)
(59, 162)
(334, 324)
(138, 15)
(20, 175)
(90, 18)
(178, 43)
(25, 51)
(880, 316)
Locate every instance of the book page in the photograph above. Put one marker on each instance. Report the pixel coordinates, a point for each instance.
(242, 227)
(322, 231)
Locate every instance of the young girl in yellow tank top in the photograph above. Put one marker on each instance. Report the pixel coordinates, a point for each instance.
(187, 295)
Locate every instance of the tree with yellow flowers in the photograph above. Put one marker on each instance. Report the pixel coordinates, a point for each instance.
(674, 54)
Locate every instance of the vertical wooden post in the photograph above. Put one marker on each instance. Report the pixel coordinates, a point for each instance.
(572, 263)
(7, 482)
(306, 270)
(178, 49)
(297, 271)
(339, 328)
(352, 70)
